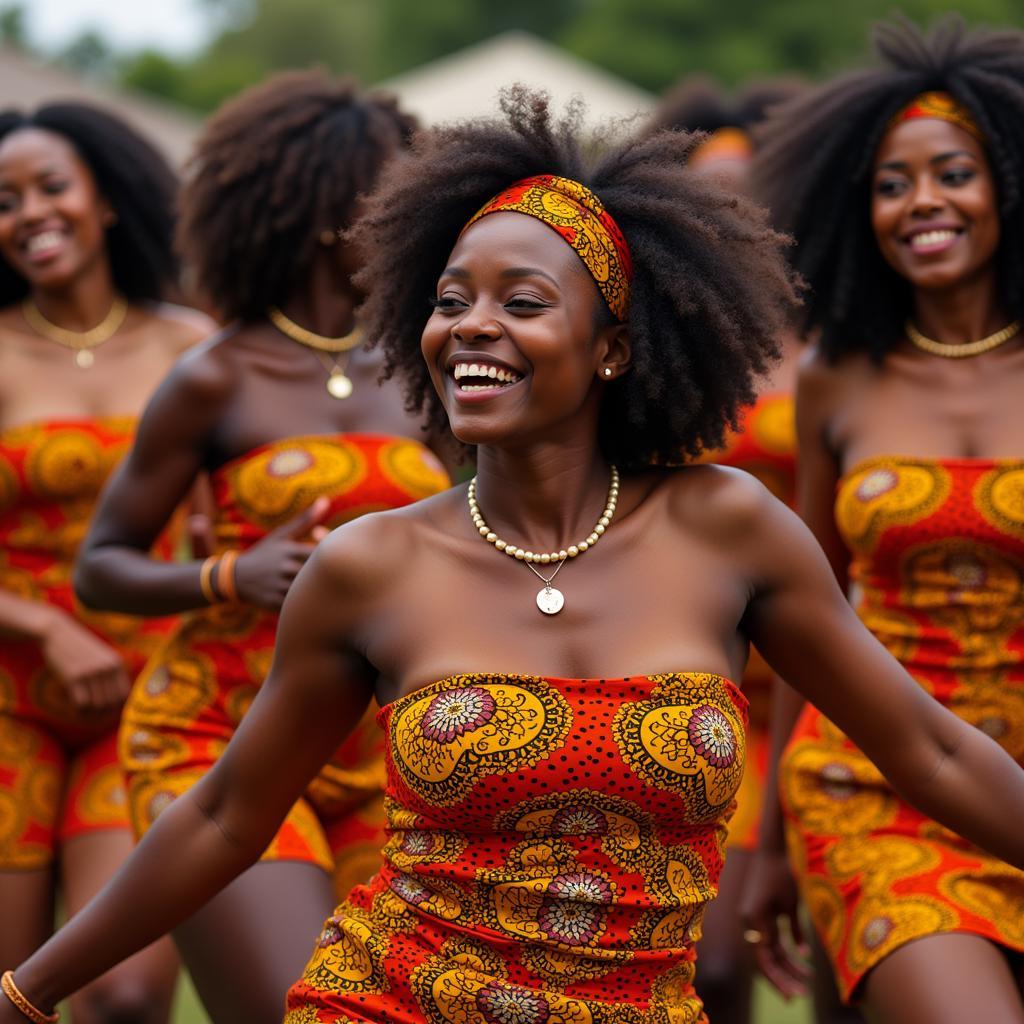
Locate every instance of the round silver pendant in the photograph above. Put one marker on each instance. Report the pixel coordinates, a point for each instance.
(84, 359)
(339, 386)
(550, 600)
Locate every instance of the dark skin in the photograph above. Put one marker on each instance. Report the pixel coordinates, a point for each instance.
(364, 618)
(246, 387)
(929, 176)
(53, 223)
(726, 959)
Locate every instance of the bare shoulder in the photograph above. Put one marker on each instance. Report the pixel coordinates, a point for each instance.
(365, 556)
(180, 327)
(719, 503)
(822, 382)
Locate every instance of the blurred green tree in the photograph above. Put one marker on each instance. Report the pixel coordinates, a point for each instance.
(650, 42)
(12, 26)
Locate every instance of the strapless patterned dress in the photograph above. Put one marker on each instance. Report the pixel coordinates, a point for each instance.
(765, 447)
(937, 569)
(59, 776)
(185, 708)
(553, 844)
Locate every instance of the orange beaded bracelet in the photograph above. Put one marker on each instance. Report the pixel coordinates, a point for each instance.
(206, 579)
(226, 577)
(22, 1004)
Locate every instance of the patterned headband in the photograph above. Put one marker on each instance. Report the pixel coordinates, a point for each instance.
(723, 144)
(580, 218)
(939, 105)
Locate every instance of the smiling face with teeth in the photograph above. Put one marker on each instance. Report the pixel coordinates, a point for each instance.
(934, 208)
(520, 335)
(52, 215)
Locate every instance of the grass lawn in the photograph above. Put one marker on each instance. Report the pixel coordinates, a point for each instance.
(770, 1009)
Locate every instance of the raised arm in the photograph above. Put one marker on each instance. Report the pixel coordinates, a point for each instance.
(802, 623)
(317, 690)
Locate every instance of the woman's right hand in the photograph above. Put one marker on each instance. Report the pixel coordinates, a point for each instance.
(770, 898)
(92, 672)
(264, 573)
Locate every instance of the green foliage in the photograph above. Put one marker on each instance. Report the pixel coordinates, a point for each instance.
(12, 26)
(650, 42)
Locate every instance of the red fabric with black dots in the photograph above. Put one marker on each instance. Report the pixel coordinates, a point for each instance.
(553, 844)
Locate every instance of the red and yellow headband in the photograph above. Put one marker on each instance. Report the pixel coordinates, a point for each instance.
(940, 105)
(580, 218)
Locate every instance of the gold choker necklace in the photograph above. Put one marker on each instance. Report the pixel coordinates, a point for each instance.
(80, 342)
(339, 385)
(550, 600)
(969, 348)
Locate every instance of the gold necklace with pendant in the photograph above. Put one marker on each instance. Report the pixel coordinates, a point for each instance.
(327, 350)
(80, 342)
(550, 600)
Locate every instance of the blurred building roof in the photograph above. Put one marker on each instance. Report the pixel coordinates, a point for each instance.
(467, 83)
(27, 82)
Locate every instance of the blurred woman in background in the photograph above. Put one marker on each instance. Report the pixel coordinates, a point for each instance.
(284, 409)
(902, 186)
(85, 262)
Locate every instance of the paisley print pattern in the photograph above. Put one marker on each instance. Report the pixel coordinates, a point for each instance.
(51, 475)
(938, 566)
(764, 446)
(533, 870)
(186, 706)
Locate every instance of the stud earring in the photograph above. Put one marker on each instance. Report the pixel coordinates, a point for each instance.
(607, 371)
(328, 236)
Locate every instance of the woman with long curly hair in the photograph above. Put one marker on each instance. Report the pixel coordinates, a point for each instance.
(85, 336)
(284, 413)
(902, 185)
(551, 644)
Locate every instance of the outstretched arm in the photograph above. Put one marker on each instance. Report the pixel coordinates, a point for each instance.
(316, 692)
(802, 623)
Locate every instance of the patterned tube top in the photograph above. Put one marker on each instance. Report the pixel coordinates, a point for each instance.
(937, 569)
(553, 846)
(51, 475)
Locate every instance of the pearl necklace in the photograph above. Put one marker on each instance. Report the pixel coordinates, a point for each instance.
(968, 348)
(550, 600)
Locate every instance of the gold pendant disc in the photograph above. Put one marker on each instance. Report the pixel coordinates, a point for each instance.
(84, 359)
(339, 386)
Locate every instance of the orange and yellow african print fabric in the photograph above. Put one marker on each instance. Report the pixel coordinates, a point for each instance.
(938, 572)
(58, 766)
(764, 446)
(186, 706)
(553, 844)
(580, 218)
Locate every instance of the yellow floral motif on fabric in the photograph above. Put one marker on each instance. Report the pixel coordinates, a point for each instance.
(9, 488)
(999, 496)
(175, 691)
(286, 478)
(68, 464)
(102, 802)
(413, 468)
(348, 953)
(885, 492)
(885, 922)
(993, 893)
(835, 791)
(688, 739)
(450, 735)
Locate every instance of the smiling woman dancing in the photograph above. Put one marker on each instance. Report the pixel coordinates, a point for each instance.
(85, 260)
(561, 766)
(903, 188)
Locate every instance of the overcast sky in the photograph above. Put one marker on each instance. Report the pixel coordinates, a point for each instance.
(175, 25)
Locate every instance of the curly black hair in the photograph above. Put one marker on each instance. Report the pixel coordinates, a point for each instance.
(814, 170)
(273, 168)
(136, 181)
(699, 103)
(710, 293)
